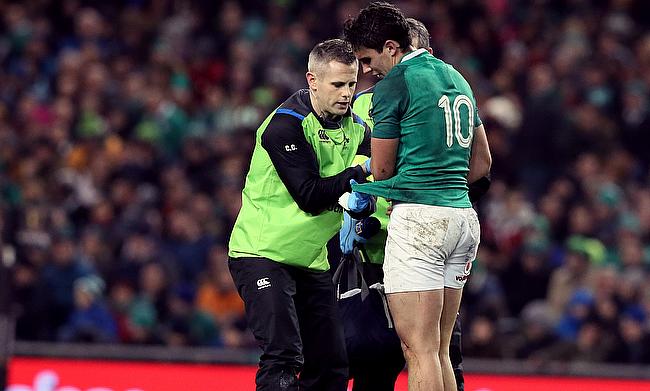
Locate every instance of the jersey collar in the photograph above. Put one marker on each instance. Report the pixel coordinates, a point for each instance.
(413, 54)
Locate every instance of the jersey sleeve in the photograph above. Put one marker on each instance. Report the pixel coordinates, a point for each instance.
(389, 103)
(297, 166)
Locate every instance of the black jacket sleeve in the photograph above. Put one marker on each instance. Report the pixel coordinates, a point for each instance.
(479, 188)
(364, 147)
(296, 164)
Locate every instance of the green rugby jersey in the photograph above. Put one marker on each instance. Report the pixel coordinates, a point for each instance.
(299, 169)
(430, 107)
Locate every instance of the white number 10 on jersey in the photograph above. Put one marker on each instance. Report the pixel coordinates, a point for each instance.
(446, 106)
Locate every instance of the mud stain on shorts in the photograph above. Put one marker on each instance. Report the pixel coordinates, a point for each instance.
(425, 230)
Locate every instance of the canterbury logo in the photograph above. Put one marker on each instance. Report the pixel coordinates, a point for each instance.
(322, 135)
(335, 208)
(263, 283)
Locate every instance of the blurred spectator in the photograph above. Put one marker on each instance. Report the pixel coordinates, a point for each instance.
(577, 272)
(484, 291)
(606, 308)
(186, 245)
(91, 320)
(150, 304)
(576, 313)
(218, 297)
(121, 301)
(58, 281)
(30, 302)
(137, 251)
(591, 344)
(633, 346)
(527, 278)
(536, 332)
(187, 325)
(481, 338)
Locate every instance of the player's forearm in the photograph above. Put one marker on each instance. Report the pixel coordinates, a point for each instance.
(384, 155)
(481, 159)
(479, 168)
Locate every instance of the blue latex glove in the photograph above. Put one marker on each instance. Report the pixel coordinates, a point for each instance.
(366, 165)
(348, 234)
(358, 202)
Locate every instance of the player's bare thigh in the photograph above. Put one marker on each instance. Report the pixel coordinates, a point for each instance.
(417, 318)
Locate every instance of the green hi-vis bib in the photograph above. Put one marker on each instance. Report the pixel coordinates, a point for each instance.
(270, 223)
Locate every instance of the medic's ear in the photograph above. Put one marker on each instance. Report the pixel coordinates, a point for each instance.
(311, 80)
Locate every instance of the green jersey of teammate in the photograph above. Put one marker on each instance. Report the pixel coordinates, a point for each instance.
(435, 140)
(361, 104)
(375, 245)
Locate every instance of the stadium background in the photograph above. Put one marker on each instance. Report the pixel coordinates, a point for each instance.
(126, 129)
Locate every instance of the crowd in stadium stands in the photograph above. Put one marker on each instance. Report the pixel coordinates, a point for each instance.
(126, 129)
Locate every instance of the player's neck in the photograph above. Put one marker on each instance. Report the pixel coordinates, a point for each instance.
(403, 52)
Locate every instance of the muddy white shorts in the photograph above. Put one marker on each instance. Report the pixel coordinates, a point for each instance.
(429, 247)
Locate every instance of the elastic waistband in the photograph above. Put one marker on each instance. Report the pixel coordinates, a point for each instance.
(412, 205)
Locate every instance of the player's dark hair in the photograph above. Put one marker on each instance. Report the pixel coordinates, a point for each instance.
(331, 50)
(376, 24)
(419, 33)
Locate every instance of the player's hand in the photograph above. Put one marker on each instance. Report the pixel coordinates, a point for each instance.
(348, 234)
(358, 202)
(358, 205)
